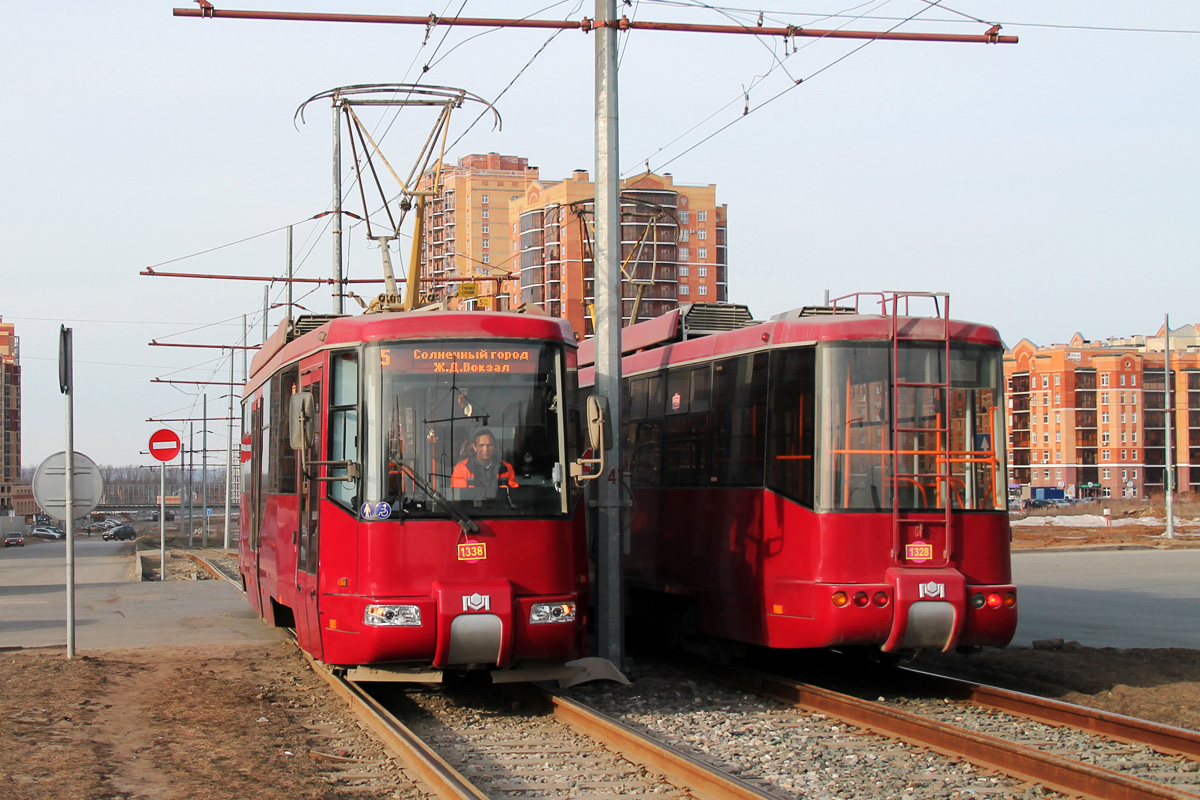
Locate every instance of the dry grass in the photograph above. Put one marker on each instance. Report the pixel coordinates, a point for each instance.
(1123, 508)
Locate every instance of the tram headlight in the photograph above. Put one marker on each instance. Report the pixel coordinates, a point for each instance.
(402, 616)
(978, 600)
(546, 613)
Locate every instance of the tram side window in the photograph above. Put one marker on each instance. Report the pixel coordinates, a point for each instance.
(283, 457)
(790, 429)
(740, 419)
(686, 457)
(251, 472)
(343, 424)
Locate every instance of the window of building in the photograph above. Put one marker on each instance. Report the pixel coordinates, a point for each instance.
(1045, 460)
(1133, 398)
(683, 235)
(484, 213)
(1105, 455)
(700, 272)
(1104, 398)
(1058, 416)
(1122, 379)
(1122, 398)
(1135, 436)
(1133, 380)
(1046, 419)
(683, 217)
(1105, 438)
(1122, 417)
(1124, 477)
(1106, 473)
(1057, 438)
(683, 271)
(486, 243)
(702, 289)
(1133, 457)
(1104, 417)
(684, 254)
(483, 199)
(486, 258)
(1133, 420)
(702, 216)
(701, 253)
(1045, 399)
(1132, 474)
(483, 229)
(1057, 475)
(1122, 437)
(1046, 474)
(683, 289)
(1045, 381)
(1104, 380)
(1057, 399)
(700, 234)
(1058, 455)
(1106, 492)
(1122, 455)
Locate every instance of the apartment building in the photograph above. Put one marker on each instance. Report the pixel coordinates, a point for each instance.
(1090, 417)
(499, 236)
(13, 497)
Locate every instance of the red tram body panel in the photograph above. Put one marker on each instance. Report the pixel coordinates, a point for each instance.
(819, 480)
(353, 531)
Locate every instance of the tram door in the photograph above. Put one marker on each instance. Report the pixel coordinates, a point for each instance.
(308, 625)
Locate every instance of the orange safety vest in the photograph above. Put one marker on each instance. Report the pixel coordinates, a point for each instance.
(463, 477)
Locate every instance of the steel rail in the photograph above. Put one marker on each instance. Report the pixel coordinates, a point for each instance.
(700, 779)
(1055, 712)
(428, 766)
(1026, 763)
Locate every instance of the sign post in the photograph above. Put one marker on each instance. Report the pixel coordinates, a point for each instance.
(67, 488)
(164, 445)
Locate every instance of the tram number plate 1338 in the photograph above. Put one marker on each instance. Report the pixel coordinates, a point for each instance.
(472, 551)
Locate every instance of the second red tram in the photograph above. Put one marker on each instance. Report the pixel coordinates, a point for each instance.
(825, 479)
(354, 527)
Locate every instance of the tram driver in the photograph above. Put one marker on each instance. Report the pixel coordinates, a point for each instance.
(483, 468)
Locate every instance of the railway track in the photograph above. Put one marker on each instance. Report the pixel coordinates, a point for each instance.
(1015, 744)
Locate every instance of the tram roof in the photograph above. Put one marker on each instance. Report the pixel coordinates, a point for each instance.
(307, 336)
(659, 342)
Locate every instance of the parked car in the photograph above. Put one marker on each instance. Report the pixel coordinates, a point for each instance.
(170, 515)
(14, 540)
(43, 532)
(120, 532)
(1039, 503)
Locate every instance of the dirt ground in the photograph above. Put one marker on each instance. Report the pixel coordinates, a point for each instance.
(255, 724)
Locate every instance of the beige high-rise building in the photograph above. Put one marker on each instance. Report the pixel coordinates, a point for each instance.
(498, 236)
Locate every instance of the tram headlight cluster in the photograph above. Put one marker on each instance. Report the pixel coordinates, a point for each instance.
(544, 613)
(402, 616)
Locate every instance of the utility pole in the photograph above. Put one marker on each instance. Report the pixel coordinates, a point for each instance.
(204, 474)
(229, 444)
(288, 303)
(610, 638)
(1169, 409)
(190, 475)
(337, 206)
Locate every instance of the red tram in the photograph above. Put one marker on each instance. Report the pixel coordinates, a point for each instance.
(825, 479)
(352, 528)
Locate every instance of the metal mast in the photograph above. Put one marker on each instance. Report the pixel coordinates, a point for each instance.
(608, 332)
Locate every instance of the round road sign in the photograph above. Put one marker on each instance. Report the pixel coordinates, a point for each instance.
(50, 486)
(165, 444)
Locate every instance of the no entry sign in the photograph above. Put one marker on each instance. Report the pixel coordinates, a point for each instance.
(165, 444)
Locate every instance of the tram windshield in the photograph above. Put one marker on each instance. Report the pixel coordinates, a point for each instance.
(934, 461)
(479, 422)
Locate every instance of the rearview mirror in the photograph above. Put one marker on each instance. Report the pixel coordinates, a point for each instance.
(599, 428)
(300, 414)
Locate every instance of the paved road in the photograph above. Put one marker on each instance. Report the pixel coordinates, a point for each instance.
(111, 608)
(1121, 598)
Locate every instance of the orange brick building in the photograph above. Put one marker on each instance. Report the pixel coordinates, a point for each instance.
(13, 496)
(1088, 417)
(498, 236)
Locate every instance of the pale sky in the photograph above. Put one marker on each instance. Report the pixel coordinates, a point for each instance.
(1049, 186)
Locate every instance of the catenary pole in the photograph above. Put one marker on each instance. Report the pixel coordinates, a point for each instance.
(1169, 408)
(229, 448)
(337, 204)
(288, 302)
(204, 476)
(190, 474)
(610, 635)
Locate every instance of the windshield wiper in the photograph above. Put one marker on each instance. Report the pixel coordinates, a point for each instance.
(466, 523)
